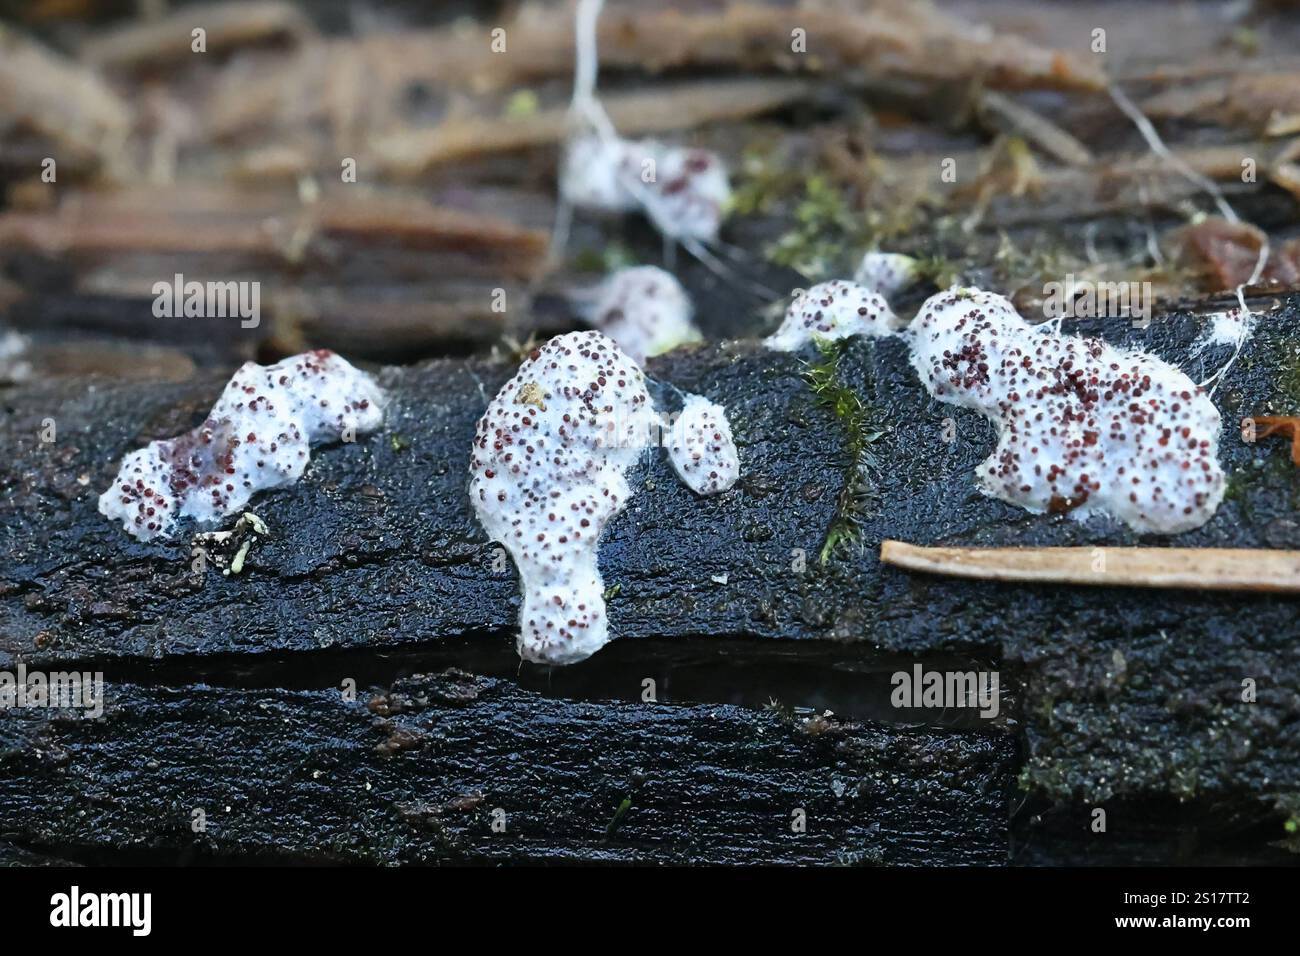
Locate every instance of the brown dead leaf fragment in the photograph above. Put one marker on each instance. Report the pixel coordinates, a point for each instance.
(1287, 425)
(1224, 252)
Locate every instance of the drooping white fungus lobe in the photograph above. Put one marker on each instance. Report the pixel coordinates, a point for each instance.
(257, 436)
(683, 191)
(592, 174)
(833, 310)
(1082, 426)
(886, 272)
(701, 448)
(548, 472)
(645, 310)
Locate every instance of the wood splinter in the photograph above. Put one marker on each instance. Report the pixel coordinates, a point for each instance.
(1215, 569)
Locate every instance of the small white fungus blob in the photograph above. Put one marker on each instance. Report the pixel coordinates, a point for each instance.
(701, 448)
(13, 368)
(1083, 426)
(833, 310)
(689, 194)
(593, 174)
(549, 471)
(645, 310)
(682, 190)
(257, 436)
(886, 272)
(1229, 327)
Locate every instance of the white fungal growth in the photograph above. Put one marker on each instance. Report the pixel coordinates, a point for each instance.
(594, 174)
(833, 310)
(701, 448)
(689, 191)
(13, 367)
(645, 310)
(549, 471)
(1082, 426)
(1230, 327)
(683, 191)
(258, 436)
(887, 272)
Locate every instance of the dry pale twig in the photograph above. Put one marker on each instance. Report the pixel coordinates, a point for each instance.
(1214, 569)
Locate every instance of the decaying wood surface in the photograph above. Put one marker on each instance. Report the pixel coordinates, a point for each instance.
(458, 768)
(1120, 697)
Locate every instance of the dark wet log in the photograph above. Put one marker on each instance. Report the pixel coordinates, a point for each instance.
(421, 772)
(378, 546)
(1125, 694)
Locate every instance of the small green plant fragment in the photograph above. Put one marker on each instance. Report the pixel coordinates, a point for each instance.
(763, 184)
(609, 258)
(522, 104)
(858, 494)
(622, 810)
(824, 227)
(241, 536)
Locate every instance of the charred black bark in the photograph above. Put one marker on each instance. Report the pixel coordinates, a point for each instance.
(1124, 694)
(422, 772)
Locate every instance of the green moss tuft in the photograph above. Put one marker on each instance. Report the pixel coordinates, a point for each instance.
(858, 496)
(824, 226)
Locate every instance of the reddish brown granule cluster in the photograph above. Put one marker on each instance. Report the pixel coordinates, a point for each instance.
(701, 448)
(257, 436)
(548, 472)
(1083, 426)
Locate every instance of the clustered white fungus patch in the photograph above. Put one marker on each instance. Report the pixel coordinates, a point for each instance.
(886, 272)
(1083, 426)
(548, 472)
(258, 436)
(1229, 327)
(645, 310)
(833, 310)
(683, 191)
(701, 448)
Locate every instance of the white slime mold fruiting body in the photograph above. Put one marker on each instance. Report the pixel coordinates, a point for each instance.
(701, 448)
(689, 193)
(549, 471)
(1229, 327)
(886, 272)
(683, 191)
(833, 310)
(645, 310)
(1083, 426)
(594, 172)
(258, 436)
